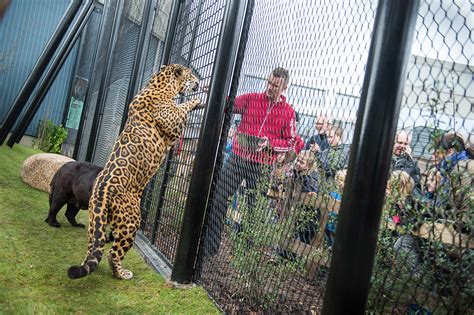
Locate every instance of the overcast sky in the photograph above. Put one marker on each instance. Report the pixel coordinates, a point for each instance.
(329, 39)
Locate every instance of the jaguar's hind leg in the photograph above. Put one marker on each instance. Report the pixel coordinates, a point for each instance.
(125, 223)
(71, 213)
(56, 202)
(122, 243)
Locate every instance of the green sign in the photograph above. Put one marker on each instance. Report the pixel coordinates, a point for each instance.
(74, 114)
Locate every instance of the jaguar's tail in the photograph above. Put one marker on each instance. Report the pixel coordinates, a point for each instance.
(97, 238)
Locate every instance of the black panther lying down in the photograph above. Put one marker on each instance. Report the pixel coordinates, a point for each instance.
(72, 184)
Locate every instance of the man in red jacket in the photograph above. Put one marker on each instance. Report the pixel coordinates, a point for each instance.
(267, 127)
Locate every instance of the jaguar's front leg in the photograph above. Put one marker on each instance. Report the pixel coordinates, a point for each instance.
(191, 104)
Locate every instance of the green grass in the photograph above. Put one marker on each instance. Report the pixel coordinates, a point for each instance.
(34, 258)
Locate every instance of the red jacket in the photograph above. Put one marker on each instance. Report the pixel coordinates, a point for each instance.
(260, 118)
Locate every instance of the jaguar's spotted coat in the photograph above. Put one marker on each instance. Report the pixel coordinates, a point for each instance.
(153, 125)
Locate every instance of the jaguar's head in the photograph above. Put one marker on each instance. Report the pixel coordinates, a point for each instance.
(181, 79)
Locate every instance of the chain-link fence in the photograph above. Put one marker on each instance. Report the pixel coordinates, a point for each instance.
(272, 216)
(194, 44)
(272, 212)
(425, 252)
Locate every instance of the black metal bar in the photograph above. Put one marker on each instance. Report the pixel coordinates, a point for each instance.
(369, 164)
(104, 81)
(146, 46)
(208, 143)
(91, 83)
(132, 86)
(194, 35)
(171, 31)
(50, 76)
(38, 69)
(161, 196)
(235, 86)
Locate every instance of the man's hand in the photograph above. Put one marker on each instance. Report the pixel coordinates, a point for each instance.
(264, 144)
(314, 148)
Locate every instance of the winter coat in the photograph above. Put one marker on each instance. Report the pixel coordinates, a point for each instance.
(320, 140)
(405, 162)
(334, 159)
(262, 118)
(457, 184)
(297, 186)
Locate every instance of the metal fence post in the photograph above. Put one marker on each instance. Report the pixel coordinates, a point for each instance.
(208, 143)
(104, 81)
(100, 30)
(132, 88)
(51, 74)
(38, 69)
(171, 31)
(361, 207)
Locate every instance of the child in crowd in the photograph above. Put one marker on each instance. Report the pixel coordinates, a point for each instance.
(432, 183)
(431, 195)
(399, 188)
(281, 169)
(302, 181)
(401, 212)
(330, 228)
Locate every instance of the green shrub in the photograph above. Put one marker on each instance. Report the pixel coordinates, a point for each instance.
(49, 137)
(261, 279)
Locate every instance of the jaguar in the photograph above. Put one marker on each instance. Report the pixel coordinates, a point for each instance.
(155, 121)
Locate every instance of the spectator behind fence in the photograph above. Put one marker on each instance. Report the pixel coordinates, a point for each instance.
(330, 228)
(456, 164)
(267, 127)
(432, 185)
(399, 189)
(282, 169)
(304, 180)
(228, 145)
(402, 160)
(452, 153)
(335, 157)
(319, 142)
(401, 207)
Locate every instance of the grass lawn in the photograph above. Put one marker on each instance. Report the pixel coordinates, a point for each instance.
(34, 258)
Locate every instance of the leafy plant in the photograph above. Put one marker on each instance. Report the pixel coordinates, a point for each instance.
(49, 137)
(442, 281)
(261, 278)
(263, 266)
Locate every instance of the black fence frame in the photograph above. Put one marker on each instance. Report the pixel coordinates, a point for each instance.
(349, 280)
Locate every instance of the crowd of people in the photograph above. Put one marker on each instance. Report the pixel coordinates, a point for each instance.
(266, 139)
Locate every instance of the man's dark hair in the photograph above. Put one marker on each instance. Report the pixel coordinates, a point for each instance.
(280, 72)
(454, 141)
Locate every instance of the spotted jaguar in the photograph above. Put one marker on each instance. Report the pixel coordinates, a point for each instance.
(153, 124)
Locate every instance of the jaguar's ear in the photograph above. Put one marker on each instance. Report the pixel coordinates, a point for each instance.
(163, 67)
(178, 72)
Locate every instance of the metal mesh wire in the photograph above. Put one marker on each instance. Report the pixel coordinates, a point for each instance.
(117, 87)
(425, 251)
(270, 226)
(194, 45)
(152, 63)
(81, 81)
(89, 43)
(272, 212)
